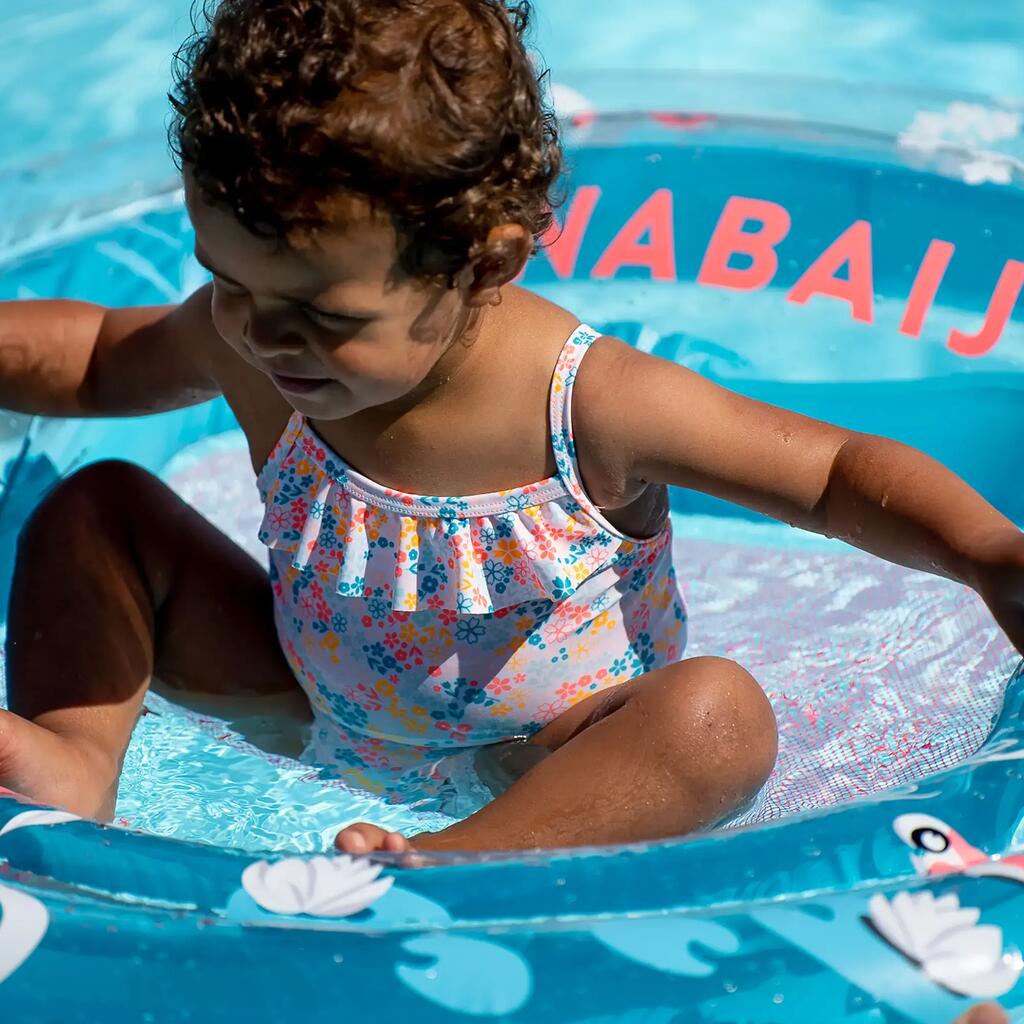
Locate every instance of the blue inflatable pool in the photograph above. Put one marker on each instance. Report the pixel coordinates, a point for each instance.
(853, 275)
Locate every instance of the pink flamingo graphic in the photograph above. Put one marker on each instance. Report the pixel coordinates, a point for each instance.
(941, 850)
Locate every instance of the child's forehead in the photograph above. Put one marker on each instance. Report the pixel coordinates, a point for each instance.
(355, 246)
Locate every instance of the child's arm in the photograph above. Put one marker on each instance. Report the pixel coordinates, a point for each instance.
(63, 358)
(673, 426)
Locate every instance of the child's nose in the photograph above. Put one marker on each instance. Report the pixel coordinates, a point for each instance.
(266, 339)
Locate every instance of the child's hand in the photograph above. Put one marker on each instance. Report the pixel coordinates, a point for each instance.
(1001, 585)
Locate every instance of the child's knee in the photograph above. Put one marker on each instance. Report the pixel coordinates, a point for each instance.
(715, 713)
(94, 498)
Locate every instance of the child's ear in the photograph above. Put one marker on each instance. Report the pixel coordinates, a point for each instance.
(495, 263)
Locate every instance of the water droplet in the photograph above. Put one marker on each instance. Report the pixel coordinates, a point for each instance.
(430, 975)
(730, 986)
(885, 500)
(778, 998)
(987, 232)
(338, 958)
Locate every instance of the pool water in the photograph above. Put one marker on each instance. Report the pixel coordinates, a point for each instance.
(75, 73)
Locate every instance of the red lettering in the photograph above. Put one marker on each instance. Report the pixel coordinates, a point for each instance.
(853, 246)
(1004, 298)
(926, 286)
(627, 248)
(561, 242)
(729, 239)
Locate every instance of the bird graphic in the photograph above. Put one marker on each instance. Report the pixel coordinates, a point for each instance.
(939, 850)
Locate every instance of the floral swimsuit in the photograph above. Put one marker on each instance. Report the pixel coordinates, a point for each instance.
(422, 627)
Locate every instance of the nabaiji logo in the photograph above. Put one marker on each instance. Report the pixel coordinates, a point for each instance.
(753, 228)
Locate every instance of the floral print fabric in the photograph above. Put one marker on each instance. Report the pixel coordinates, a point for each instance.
(419, 626)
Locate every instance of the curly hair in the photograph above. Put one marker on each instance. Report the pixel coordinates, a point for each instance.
(428, 110)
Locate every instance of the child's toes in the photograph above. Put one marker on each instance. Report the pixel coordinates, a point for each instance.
(366, 838)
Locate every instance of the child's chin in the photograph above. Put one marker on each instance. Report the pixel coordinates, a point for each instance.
(331, 402)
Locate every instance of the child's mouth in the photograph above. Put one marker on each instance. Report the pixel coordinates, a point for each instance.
(299, 385)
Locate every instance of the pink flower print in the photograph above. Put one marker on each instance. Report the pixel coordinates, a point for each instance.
(435, 601)
(550, 710)
(497, 686)
(278, 517)
(555, 632)
(521, 573)
(391, 640)
(308, 445)
(566, 690)
(449, 617)
(574, 613)
(545, 549)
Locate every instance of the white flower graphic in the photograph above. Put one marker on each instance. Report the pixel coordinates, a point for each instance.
(985, 167)
(961, 123)
(23, 923)
(38, 817)
(320, 886)
(947, 943)
(967, 126)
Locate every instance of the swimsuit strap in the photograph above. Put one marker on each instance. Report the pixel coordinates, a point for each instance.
(560, 412)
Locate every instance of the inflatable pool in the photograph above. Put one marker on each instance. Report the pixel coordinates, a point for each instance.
(861, 276)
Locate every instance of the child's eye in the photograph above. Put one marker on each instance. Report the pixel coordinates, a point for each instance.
(335, 320)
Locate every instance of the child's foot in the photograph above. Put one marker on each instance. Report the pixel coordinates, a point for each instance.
(366, 838)
(52, 770)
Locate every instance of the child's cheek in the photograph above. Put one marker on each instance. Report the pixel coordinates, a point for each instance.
(228, 317)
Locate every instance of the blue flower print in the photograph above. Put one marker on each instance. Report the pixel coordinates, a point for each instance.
(497, 575)
(469, 631)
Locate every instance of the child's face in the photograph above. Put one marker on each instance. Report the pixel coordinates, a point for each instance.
(337, 326)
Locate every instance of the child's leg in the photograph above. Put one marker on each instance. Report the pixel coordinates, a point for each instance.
(667, 753)
(118, 580)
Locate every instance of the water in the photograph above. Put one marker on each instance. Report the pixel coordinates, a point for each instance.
(75, 73)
